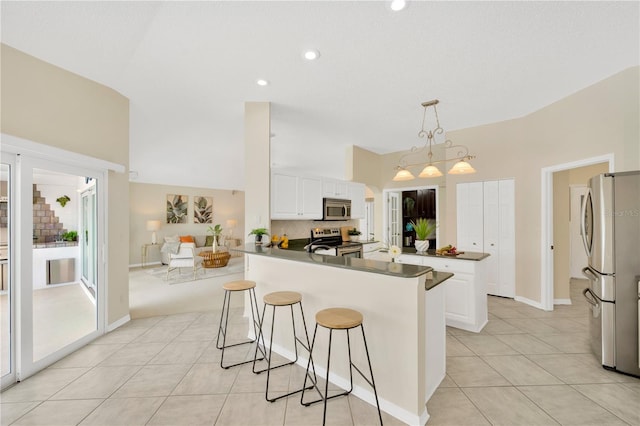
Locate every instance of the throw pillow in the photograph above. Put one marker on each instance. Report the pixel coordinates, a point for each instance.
(209, 241)
(186, 239)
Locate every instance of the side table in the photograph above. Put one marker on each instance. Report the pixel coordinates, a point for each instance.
(145, 250)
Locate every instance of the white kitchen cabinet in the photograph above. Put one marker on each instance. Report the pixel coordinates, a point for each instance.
(465, 292)
(333, 188)
(486, 223)
(295, 197)
(356, 195)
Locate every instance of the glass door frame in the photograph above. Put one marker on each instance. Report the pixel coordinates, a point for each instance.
(10, 377)
(87, 238)
(26, 366)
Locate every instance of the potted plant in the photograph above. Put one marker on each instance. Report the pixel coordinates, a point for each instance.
(259, 232)
(423, 228)
(216, 231)
(70, 236)
(354, 234)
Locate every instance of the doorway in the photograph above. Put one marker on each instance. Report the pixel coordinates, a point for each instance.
(404, 205)
(548, 252)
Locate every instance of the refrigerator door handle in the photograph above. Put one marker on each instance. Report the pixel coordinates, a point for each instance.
(586, 271)
(592, 299)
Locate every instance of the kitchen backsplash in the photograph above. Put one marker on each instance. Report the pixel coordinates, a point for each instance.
(302, 228)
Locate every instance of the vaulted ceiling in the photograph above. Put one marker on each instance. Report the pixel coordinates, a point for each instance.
(189, 67)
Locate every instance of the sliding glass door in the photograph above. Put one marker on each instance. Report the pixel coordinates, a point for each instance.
(88, 234)
(51, 302)
(7, 293)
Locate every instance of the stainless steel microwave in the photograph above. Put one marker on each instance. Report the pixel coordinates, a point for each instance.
(336, 209)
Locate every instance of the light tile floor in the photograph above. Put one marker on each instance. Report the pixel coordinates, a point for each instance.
(526, 367)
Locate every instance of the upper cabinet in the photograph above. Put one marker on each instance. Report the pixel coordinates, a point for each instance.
(299, 197)
(295, 197)
(333, 188)
(356, 195)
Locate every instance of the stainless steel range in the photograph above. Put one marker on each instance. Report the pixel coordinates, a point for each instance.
(328, 241)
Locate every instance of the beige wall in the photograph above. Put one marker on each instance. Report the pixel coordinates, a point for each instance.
(51, 106)
(149, 202)
(600, 119)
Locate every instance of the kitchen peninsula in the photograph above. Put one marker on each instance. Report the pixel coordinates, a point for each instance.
(404, 320)
(466, 292)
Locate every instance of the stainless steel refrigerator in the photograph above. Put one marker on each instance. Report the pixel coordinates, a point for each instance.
(611, 235)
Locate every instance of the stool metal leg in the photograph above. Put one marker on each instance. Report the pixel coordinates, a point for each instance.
(296, 340)
(352, 365)
(223, 330)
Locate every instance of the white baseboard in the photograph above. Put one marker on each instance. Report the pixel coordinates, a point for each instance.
(562, 301)
(139, 265)
(529, 302)
(365, 394)
(119, 323)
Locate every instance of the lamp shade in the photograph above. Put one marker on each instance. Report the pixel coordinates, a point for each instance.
(153, 225)
(462, 168)
(430, 172)
(231, 223)
(403, 174)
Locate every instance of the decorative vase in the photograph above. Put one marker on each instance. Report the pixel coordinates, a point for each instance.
(214, 246)
(422, 245)
(258, 239)
(354, 238)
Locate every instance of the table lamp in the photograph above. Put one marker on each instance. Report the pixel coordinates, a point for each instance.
(231, 223)
(153, 225)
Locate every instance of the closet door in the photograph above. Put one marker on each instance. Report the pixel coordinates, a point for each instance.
(470, 222)
(492, 235)
(499, 237)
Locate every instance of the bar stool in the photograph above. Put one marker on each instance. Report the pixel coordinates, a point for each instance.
(276, 299)
(229, 288)
(339, 319)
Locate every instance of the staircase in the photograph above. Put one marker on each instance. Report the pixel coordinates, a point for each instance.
(46, 225)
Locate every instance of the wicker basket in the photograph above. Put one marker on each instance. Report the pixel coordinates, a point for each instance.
(218, 259)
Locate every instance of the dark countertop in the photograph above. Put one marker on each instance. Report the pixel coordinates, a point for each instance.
(399, 270)
(467, 255)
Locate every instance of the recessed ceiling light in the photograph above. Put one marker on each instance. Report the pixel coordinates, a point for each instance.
(261, 82)
(311, 54)
(398, 5)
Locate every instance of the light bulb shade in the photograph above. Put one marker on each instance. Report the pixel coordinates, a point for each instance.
(153, 225)
(403, 174)
(231, 223)
(430, 171)
(462, 168)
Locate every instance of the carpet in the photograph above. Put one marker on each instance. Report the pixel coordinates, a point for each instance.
(185, 275)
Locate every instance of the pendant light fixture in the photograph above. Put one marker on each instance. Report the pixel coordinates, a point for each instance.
(461, 166)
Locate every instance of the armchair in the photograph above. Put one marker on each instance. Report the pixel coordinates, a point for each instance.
(185, 258)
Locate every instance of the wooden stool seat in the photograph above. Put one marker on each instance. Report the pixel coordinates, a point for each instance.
(339, 318)
(282, 298)
(239, 285)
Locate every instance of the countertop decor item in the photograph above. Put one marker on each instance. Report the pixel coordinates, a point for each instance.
(259, 232)
(430, 171)
(423, 228)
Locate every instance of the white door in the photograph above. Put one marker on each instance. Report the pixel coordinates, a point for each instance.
(470, 221)
(394, 213)
(507, 239)
(578, 255)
